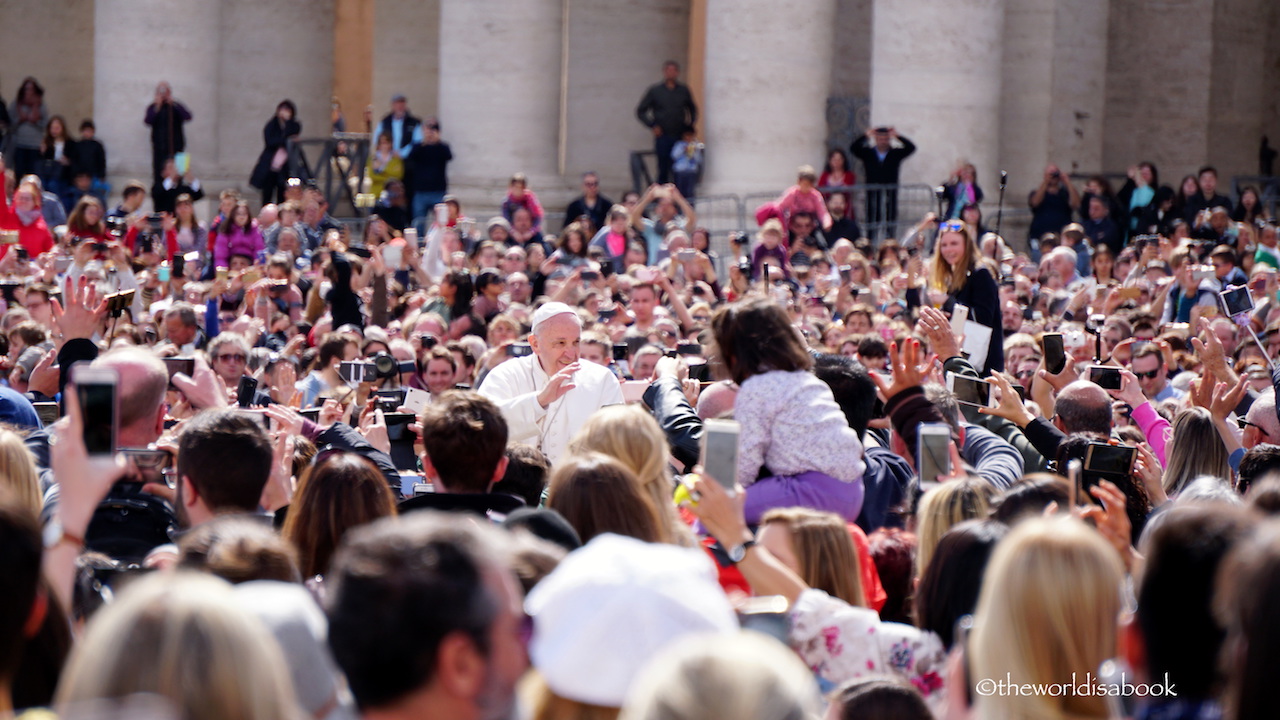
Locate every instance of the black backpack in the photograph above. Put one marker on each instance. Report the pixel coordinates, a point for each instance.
(129, 523)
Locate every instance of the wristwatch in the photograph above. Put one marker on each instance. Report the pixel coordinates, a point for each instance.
(54, 535)
(738, 552)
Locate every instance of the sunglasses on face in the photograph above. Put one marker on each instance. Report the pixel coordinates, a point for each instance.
(1149, 375)
(232, 357)
(1245, 423)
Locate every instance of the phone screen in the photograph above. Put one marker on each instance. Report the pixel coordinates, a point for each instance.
(98, 408)
(1236, 301)
(402, 438)
(968, 390)
(1055, 357)
(720, 450)
(245, 391)
(1107, 378)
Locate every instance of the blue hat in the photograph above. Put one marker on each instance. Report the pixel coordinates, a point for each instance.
(17, 410)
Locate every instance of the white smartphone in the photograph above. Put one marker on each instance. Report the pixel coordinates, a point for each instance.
(633, 390)
(391, 256)
(969, 390)
(720, 450)
(959, 315)
(415, 400)
(933, 458)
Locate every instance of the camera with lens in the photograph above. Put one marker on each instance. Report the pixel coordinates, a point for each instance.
(385, 366)
(738, 238)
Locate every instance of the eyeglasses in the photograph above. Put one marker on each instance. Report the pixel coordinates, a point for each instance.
(1245, 423)
(232, 357)
(1149, 375)
(591, 184)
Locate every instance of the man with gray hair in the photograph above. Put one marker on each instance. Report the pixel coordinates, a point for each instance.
(1261, 425)
(548, 395)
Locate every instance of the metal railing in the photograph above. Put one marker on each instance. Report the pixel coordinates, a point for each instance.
(338, 168)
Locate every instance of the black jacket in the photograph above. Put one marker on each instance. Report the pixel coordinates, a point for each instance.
(670, 108)
(274, 137)
(875, 170)
(678, 420)
(598, 214)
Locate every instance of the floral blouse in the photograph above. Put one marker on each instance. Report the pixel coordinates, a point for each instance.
(841, 642)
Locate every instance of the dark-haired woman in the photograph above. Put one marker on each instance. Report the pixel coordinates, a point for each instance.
(27, 117)
(789, 421)
(270, 172)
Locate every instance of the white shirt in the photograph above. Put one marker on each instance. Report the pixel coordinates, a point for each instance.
(514, 386)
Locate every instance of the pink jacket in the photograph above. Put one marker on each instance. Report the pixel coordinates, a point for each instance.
(1157, 429)
(795, 200)
(238, 242)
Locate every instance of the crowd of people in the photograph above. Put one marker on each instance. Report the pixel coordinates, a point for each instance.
(270, 466)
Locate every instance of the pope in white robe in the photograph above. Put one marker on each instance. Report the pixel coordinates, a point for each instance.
(548, 395)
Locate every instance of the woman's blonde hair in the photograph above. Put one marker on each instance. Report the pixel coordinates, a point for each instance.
(18, 473)
(822, 545)
(945, 506)
(745, 676)
(182, 637)
(544, 704)
(1195, 449)
(1049, 607)
(632, 437)
(942, 276)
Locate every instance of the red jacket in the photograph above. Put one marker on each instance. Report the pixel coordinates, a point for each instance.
(35, 237)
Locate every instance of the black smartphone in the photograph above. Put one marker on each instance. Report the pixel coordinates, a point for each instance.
(1055, 355)
(312, 414)
(175, 365)
(1102, 461)
(519, 349)
(688, 349)
(390, 400)
(1105, 377)
(96, 389)
(179, 265)
(245, 391)
(429, 341)
(700, 372)
(608, 314)
(402, 439)
(619, 351)
(590, 276)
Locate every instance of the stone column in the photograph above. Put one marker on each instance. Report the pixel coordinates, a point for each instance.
(939, 85)
(500, 94)
(138, 44)
(767, 67)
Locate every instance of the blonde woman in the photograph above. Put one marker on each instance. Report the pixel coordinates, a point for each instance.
(946, 506)
(818, 548)
(18, 474)
(183, 638)
(631, 436)
(1049, 607)
(958, 275)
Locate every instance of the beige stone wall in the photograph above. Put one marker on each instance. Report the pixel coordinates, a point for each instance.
(1238, 98)
(851, 60)
(607, 75)
(1159, 73)
(406, 56)
(52, 41)
(1053, 98)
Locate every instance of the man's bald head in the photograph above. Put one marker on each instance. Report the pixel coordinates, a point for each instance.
(1264, 425)
(717, 400)
(1082, 406)
(143, 381)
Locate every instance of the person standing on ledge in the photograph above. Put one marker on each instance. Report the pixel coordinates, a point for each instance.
(882, 151)
(166, 117)
(667, 108)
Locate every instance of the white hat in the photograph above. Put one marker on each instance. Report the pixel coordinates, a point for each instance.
(550, 310)
(614, 603)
